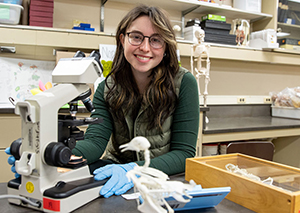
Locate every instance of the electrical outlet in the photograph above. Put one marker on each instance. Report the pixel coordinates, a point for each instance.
(267, 100)
(241, 100)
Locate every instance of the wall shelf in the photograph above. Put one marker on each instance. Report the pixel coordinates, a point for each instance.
(229, 12)
(65, 39)
(246, 54)
(42, 41)
(53, 37)
(204, 8)
(292, 26)
(292, 29)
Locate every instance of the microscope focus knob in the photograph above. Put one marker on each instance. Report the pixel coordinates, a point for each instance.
(57, 154)
(15, 148)
(71, 143)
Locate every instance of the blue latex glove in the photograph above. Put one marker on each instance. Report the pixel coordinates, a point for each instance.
(11, 161)
(118, 183)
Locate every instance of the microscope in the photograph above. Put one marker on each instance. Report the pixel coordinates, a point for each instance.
(51, 178)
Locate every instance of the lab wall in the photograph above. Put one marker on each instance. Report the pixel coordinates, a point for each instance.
(247, 78)
(65, 11)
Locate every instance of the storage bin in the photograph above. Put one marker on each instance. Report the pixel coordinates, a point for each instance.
(249, 5)
(189, 33)
(286, 112)
(19, 2)
(177, 27)
(10, 13)
(210, 149)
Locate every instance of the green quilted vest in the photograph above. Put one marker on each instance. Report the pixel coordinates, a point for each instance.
(160, 143)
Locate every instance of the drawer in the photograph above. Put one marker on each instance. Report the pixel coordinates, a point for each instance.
(5, 173)
(10, 126)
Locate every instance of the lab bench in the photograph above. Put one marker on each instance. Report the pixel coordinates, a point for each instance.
(119, 204)
(227, 123)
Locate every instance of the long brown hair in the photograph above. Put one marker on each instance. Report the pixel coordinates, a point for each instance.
(160, 95)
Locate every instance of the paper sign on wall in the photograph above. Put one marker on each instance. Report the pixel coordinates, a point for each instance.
(107, 53)
(19, 76)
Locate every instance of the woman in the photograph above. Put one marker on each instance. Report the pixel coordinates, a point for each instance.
(146, 94)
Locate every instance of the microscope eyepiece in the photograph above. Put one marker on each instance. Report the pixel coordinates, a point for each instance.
(79, 54)
(95, 54)
(97, 57)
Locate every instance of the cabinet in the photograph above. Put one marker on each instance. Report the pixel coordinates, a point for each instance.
(10, 126)
(289, 25)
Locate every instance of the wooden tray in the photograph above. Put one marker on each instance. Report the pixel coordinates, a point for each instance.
(282, 196)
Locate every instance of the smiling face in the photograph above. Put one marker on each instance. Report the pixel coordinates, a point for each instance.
(143, 58)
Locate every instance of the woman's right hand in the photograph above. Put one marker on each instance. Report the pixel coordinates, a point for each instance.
(11, 161)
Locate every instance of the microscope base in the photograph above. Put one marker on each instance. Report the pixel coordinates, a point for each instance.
(64, 197)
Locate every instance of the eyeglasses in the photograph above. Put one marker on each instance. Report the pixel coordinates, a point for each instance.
(137, 39)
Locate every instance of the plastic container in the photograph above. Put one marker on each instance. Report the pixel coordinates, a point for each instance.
(19, 2)
(249, 5)
(189, 33)
(210, 149)
(264, 39)
(10, 13)
(177, 27)
(286, 112)
(223, 148)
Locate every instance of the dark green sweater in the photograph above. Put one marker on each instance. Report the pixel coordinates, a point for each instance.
(184, 130)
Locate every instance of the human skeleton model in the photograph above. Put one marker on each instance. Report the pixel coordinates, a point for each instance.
(153, 184)
(200, 54)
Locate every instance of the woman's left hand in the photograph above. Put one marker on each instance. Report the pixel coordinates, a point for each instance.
(118, 183)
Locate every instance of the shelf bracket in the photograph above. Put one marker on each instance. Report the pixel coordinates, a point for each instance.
(183, 14)
(102, 15)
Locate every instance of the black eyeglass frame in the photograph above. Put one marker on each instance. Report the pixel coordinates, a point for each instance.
(149, 37)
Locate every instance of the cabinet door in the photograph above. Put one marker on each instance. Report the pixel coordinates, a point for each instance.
(5, 170)
(288, 24)
(10, 126)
